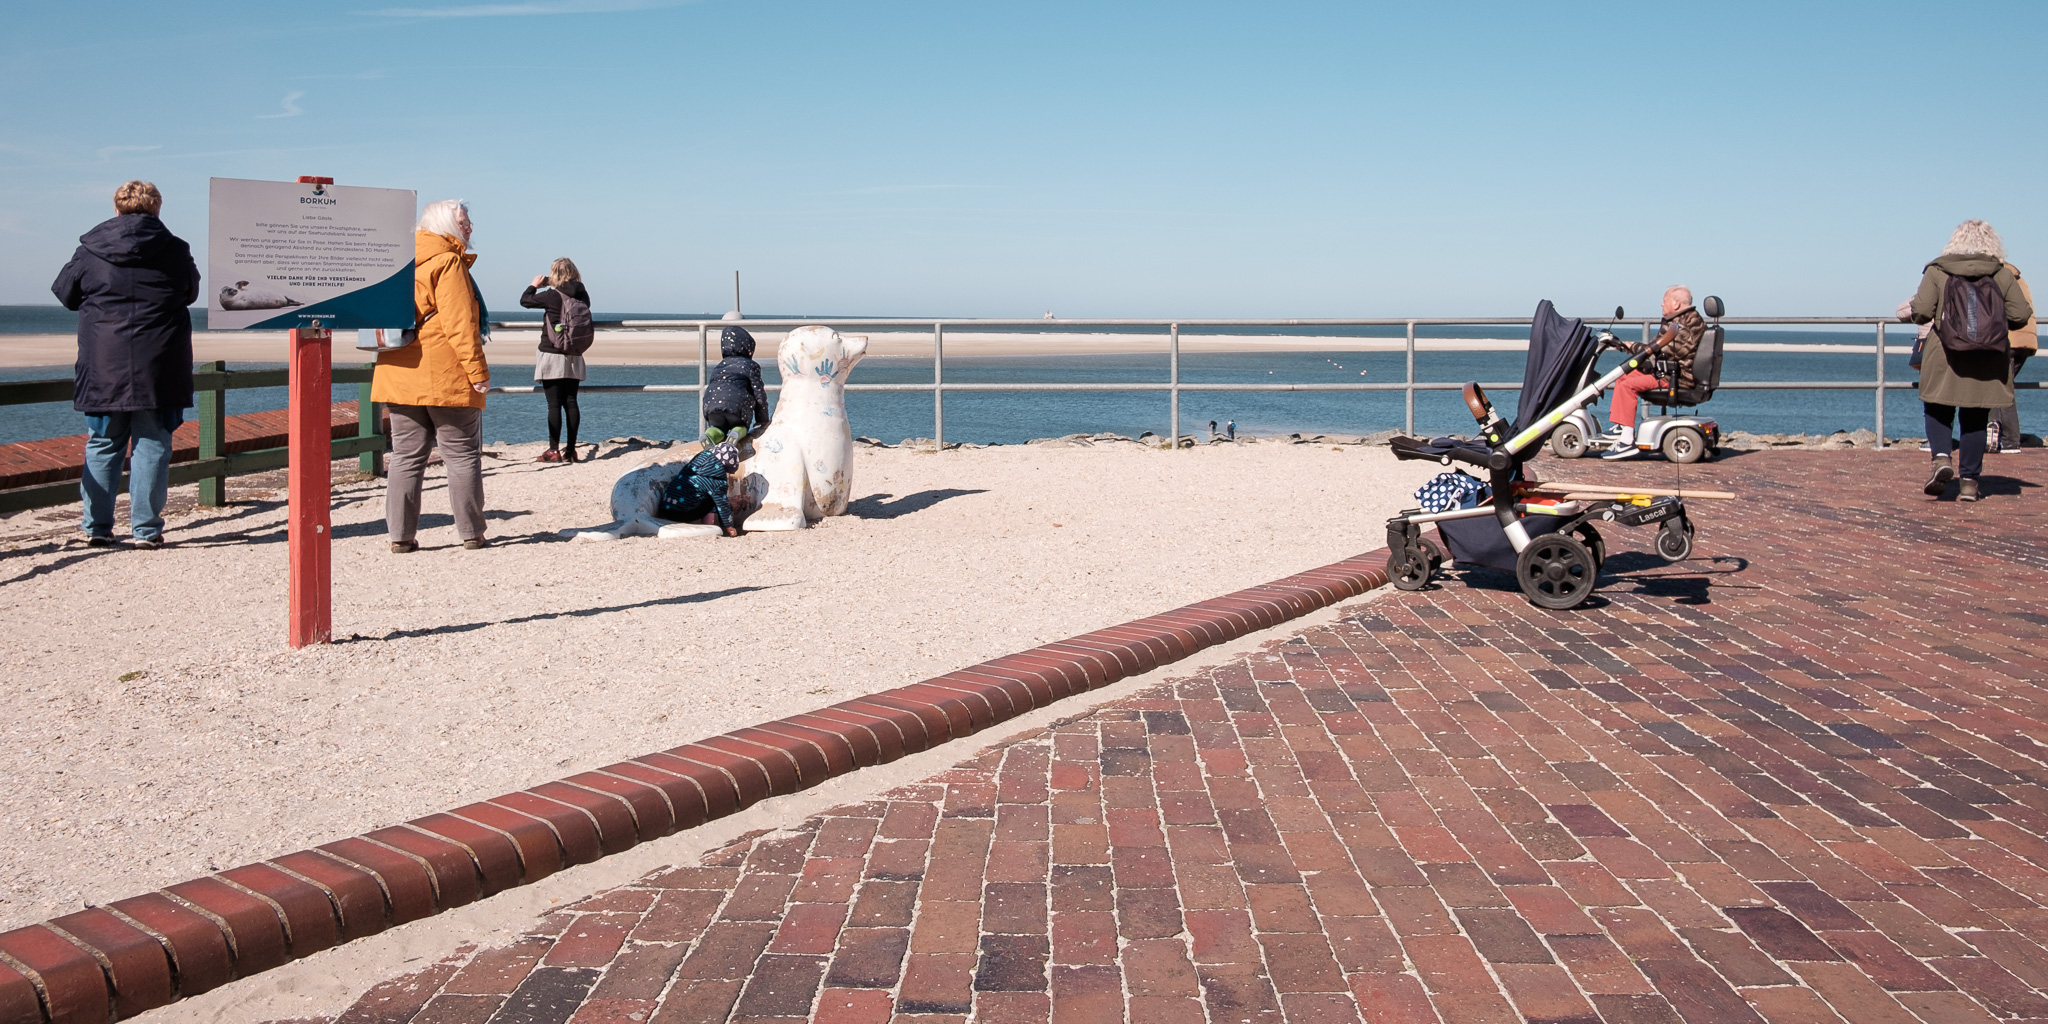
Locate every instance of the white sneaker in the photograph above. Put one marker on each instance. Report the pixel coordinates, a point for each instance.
(1627, 450)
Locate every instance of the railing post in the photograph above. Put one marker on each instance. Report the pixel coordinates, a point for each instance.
(938, 387)
(371, 462)
(1411, 379)
(213, 428)
(1173, 384)
(703, 371)
(1880, 385)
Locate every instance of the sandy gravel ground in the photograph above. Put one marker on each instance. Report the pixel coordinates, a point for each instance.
(159, 727)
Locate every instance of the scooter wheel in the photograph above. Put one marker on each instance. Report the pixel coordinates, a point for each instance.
(1568, 442)
(1674, 540)
(1684, 445)
(1556, 571)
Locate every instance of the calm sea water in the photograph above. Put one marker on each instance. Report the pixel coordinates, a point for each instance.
(1013, 417)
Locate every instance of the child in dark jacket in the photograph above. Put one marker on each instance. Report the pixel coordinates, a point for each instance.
(735, 401)
(699, 493)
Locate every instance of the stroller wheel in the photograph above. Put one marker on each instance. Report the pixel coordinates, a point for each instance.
(1593, 542)
(1436, 555)
(1409, 575)
(1557, 571)
(1674, 540)
(1568, 442)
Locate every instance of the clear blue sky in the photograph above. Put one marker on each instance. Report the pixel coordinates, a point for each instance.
(1094, 159)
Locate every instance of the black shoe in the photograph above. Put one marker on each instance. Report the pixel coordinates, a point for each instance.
(569, 454)
(99, 540)
(147, 543)
(1944, 472)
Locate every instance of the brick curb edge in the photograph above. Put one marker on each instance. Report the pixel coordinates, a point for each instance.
(108, 963)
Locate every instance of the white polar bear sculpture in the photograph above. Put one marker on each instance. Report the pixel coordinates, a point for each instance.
(796, 471)
(801, 466)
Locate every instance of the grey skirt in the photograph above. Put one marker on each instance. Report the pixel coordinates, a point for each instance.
(556, 366)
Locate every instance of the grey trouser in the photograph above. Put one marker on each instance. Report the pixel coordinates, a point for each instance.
(415, 431)
(2008, 418)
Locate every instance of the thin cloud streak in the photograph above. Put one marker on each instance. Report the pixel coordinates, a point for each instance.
(291, 106)
(526, 9)
(106, 153)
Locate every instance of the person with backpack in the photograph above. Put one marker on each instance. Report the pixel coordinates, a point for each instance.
(1973, 300)
(565, 334)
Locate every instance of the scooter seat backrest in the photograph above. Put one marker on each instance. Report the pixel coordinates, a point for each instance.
(1706, 363)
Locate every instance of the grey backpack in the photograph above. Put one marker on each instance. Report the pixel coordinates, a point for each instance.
(573, 332)
(1972, 315)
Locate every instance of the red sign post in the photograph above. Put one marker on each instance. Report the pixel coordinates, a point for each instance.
(312, 488)
(309, 258)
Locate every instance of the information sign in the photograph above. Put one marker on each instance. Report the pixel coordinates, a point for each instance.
(283, 254)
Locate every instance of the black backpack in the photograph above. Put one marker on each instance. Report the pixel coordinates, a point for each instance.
(1972, 315)
(572, 331)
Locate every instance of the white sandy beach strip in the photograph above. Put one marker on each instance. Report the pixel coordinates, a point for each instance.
(160, 728)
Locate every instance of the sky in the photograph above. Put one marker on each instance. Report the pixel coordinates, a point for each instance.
(1097, 159)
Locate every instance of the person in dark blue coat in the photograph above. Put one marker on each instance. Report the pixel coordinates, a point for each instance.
(131, 283)
(734, 396)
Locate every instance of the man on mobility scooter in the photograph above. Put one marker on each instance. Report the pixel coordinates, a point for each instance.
(1685, 371)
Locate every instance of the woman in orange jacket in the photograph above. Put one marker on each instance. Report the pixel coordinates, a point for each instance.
(435, 387)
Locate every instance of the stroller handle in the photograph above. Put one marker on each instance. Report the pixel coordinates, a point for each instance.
(1475, 400)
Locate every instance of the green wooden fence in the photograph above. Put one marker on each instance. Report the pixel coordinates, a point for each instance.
(211, 383)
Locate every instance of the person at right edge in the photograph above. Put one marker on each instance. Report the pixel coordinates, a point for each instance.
(2025, 342)
(1973, 301)
(435, 387)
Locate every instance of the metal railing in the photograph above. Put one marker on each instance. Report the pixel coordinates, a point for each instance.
(1174, 386)
(214, 464)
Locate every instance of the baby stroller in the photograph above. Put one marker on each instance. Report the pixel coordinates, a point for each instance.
(1683, 439)
(1549, 543)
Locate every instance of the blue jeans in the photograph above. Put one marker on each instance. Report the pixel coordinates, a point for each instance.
(149, 478)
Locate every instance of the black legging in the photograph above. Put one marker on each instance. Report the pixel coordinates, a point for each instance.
(1940, 418)
(561, 393)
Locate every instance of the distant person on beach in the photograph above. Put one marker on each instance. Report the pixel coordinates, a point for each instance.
(735, 400)
(435, 387)
(699, 493)
(1970, 372)
(131, 283)
(2025, 342)
(1678, 341)
(565, 334)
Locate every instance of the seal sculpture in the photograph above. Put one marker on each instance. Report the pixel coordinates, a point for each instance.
(796, 471)
(800, 469)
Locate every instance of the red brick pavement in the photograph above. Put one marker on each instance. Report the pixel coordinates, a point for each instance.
(1801, 778)
(56, 459)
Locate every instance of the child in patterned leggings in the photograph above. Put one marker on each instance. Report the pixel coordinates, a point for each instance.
(698, 494)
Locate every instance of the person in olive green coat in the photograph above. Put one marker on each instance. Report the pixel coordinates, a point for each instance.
(1969, 384)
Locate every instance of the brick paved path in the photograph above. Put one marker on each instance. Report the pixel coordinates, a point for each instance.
(56, 459)
(1806, 785)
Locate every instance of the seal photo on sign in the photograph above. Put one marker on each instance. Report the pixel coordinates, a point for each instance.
(247, 296)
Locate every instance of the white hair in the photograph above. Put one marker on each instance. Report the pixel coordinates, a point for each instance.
(440, 217)
(1975, 238)
(1680, 288)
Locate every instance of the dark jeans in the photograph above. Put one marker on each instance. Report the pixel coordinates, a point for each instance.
(2008, 418)
(561, 392)
(1941, 419)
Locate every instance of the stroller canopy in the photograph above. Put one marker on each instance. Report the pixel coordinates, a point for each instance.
(1559, 350)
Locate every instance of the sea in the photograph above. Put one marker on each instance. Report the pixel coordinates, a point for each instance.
(1016, 417)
